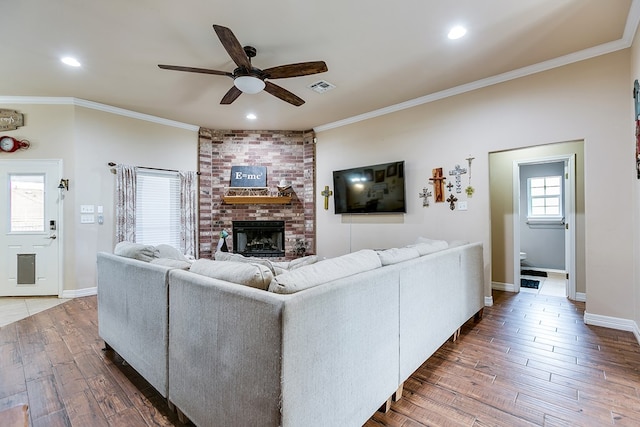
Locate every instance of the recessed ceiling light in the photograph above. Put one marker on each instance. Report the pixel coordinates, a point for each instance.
(251, 116)
(457, 32)
(73, 62)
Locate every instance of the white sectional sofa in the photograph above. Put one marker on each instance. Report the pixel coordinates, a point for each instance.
(327, 345)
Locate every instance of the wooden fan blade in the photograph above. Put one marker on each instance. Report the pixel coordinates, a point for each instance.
(195, 70)
(232, 46)
(295, 70)
(283, 94)
(231, 95)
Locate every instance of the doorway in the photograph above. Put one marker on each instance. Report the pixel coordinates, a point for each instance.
(30, 235)
(544, 222)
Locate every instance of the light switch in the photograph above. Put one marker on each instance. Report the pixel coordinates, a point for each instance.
(86, 208)
(462, 206)
(87, 219)
(100, 209)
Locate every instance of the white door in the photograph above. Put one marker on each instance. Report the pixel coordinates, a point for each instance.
(30, 241)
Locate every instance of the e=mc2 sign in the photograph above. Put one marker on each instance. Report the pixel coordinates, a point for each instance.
(248, 176)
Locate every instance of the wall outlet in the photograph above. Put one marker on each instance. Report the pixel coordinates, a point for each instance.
(462, 206)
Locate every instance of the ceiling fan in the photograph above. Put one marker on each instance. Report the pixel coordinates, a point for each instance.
(249, 79)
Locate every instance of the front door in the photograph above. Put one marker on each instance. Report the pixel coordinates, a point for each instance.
(30, 204)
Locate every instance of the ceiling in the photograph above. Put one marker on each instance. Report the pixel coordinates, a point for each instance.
(379, 57)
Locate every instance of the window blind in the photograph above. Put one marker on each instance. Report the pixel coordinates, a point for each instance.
(158, 208)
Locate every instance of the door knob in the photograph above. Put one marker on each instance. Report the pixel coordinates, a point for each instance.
(53, 236)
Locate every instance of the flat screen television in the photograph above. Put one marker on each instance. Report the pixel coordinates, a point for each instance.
(370, 189)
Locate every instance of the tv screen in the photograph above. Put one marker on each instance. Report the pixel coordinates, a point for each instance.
(370, 189)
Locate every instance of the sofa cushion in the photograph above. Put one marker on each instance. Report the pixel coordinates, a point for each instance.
(136, 251)
(301, 262)
(396, 255)
(173, 263)
(228, 256)
(248, 274)
(325, 271)
(168, 251)
(426, 246)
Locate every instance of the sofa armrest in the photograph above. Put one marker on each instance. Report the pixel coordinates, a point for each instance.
(133, 314)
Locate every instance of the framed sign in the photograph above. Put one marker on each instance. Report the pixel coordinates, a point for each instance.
(248, 176)
(10, 119)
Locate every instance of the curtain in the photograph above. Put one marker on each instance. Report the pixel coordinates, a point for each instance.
(125, 203)
(188, 211)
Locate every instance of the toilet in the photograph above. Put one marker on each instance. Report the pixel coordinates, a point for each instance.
(523, 256)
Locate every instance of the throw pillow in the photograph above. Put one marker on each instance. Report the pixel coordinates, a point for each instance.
(427, 246)
(396, 255)
(168, 251)
(325, 271)
(248, 274)
(136, 251)
(228, 256)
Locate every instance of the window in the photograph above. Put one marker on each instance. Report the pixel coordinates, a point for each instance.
(26, 196)
(158, 208)
(545, 197)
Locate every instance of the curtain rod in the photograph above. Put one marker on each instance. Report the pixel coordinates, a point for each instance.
(111, 164)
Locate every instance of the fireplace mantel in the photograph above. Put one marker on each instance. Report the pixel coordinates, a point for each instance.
(253, 195)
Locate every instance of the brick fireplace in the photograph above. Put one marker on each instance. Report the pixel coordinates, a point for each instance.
(288, 155)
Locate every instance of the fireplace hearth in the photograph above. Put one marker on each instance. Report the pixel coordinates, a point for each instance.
(259, 238)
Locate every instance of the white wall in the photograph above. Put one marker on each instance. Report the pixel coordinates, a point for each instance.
(584, 101)
(635, 193)
(86, 139)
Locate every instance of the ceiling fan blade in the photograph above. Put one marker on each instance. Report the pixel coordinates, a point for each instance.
(232, 46)
(231, 95)
(195, 70)
(295, 70)
(283, 94)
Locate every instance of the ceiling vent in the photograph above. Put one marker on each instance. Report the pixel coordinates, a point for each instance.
(321, 86)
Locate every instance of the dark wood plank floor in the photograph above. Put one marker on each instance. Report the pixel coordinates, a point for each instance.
(529, 362)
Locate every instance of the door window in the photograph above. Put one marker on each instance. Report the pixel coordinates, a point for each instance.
(26, 198)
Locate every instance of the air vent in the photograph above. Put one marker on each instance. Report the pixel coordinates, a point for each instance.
(321, 86)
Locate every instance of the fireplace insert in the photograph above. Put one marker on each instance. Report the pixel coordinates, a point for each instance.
(258, 238)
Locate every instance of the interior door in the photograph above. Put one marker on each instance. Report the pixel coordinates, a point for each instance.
(30, 241)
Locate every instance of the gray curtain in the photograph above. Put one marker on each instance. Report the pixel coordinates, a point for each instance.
(125, 203)
(188, 212)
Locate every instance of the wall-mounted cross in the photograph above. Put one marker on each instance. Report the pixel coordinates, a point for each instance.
(452, 201)
(457, 172)
(326, 194)
(449, 186)
(425, 196)
(438, 184)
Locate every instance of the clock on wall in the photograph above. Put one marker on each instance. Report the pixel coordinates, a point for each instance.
(9, 144)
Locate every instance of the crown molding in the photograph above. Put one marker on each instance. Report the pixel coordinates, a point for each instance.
(46, 100)
(631, 26)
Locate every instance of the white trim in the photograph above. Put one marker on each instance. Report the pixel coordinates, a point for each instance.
(46, 100)
(581, 296)
(633, 18)
(499, 286)
(613, 323)
(78, 293)
(488, 301)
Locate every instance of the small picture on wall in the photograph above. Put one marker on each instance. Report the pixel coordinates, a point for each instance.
(380, 176)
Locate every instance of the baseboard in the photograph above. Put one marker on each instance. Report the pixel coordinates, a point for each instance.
(77, 293)
(613, 323)
(581, 297)
(488, 301)
(499, 286)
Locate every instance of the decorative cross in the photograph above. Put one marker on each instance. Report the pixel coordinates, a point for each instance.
(425, 195)
(469, 190)
(438, 184)
(449, 187)
(452, 201)
(458, 171)
(326, 193)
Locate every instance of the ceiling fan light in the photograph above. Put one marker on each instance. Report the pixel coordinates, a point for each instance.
(249, 84)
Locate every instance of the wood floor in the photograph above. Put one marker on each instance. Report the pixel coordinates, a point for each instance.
(529, 362)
